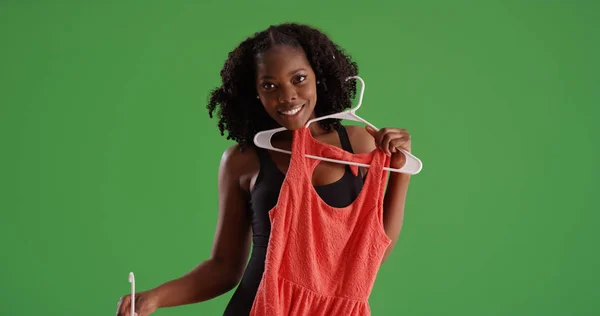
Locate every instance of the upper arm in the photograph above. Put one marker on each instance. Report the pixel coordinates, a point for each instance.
(231, 244)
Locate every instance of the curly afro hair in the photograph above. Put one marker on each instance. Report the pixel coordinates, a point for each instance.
(242, 114)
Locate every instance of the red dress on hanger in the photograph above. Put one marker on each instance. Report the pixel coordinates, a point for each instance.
(323, 260)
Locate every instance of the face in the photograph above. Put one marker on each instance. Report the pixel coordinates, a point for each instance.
(286, 85)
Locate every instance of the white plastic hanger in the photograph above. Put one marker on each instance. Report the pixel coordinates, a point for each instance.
(412, 166)
(132, 281)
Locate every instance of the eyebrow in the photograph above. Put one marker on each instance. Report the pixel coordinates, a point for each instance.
(289, 73)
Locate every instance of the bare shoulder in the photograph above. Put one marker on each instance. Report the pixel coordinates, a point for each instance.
(234, 158)
(239, 165)
(360, 139)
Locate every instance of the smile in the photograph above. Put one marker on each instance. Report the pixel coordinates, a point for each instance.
(293, 111)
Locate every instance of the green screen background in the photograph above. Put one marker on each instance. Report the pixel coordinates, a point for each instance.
(109, 160)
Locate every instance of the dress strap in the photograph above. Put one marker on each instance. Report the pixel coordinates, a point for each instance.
(266, 161)
(344, 139)
(377, 159)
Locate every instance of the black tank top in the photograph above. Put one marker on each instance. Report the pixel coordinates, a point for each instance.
(263, 198)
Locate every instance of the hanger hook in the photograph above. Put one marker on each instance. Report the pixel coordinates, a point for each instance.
(362, 91)
(132, 281)
(350, 111)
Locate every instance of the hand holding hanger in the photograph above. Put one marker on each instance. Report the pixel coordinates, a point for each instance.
(412, 164)
(392, 141)
(136, 304)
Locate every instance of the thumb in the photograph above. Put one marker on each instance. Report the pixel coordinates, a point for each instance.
(371, 131)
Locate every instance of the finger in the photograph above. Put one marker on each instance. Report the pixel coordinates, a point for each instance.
(375, 134)
(123, 306)
(119, 303)
(381, 136)
(398, 143)
(371, 131)
(387, 140)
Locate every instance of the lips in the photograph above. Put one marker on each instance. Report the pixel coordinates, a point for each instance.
(291, 111)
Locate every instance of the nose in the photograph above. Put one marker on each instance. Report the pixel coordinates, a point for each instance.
(287, 94)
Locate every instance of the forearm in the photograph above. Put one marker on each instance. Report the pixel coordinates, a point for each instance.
(393, 207)
(206, 281)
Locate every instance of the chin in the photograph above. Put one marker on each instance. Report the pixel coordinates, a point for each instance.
(293, 127)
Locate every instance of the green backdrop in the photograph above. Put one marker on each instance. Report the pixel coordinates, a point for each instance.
(109, 159)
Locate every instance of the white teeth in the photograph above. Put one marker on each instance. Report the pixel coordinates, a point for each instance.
(292, 111)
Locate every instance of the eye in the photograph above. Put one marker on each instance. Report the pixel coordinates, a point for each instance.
(300, 78)
(268, 86)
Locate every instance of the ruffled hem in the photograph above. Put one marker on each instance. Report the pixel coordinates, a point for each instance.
(296, 300)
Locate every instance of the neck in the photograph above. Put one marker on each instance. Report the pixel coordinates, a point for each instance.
(316, 129)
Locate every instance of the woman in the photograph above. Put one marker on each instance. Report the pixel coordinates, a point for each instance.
(282, 76)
